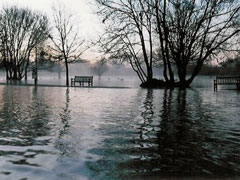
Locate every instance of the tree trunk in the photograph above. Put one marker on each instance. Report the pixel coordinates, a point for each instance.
(36, 69)
(182, 76)
(149, 74)
(59, 70)
(26, 77)
(26, 69)
(195, 72)
(170, 72)
(67, 78)
(15, 74)
(7, 74)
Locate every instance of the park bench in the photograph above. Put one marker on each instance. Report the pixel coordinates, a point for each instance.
(221, 80)
(81, 80)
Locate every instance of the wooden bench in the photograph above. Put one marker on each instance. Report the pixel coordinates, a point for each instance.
(81, 80)
(221, 80)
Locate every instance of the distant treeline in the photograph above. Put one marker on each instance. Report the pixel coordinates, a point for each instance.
(229, 67)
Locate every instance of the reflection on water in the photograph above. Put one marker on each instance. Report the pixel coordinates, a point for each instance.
(65, 118)
(24, 119)
(181, 136)
(171, 139)
(74, 133)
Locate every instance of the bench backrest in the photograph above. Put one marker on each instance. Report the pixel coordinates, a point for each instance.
(227, 80)
(83, 78)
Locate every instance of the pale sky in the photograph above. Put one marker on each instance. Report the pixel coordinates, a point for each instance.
(88, 21)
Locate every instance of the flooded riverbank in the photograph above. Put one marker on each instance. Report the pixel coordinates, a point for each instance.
(95, 133)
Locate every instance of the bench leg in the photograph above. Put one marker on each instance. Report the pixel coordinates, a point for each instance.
(90, 83)
(81, 84)
(215, 85)
(238, 86)
(72, 81)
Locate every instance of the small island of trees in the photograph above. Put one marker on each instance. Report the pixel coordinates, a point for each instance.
(176, 34)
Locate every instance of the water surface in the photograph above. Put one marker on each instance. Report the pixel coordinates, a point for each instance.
(80, 133)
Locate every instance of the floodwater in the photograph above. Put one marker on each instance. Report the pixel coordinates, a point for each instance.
(118, 133)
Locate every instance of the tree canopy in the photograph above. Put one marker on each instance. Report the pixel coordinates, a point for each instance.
(67, 44)
(177, 33)
(21, 30)
(129, 34)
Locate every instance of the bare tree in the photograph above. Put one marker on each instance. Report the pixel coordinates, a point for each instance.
(67, 44)
(188, 32)
(99, 67)
(129, 34)
(192, 32)
(21, 30)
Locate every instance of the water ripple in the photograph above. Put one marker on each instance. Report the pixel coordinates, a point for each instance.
(60, 133)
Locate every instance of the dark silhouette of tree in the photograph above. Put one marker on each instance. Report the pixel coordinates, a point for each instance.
(231, 66)
(67, 44)
(187, 32)
(21, 31)
(46, 61)
(129, 34)
(99, 67)
(192, 32)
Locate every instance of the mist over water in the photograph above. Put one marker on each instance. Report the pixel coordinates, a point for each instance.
(114, 76)
(107, 133)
